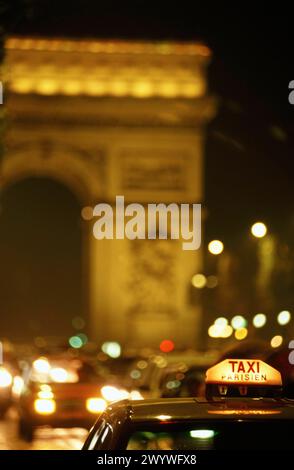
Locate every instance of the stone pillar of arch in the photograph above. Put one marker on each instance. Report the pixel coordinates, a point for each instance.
(108, 119)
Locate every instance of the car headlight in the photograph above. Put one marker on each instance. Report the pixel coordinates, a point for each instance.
(58, 374)
(17, 386)
(113, 394)
(42, 365)
(45, 394)
(44, 406)
(5, 378)
(96, 405)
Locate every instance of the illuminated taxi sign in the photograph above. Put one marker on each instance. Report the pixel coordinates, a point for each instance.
(243, 372)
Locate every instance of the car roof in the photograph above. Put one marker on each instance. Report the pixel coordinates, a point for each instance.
(190, 409)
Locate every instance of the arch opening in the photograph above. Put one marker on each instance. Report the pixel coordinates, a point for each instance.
(41, 265)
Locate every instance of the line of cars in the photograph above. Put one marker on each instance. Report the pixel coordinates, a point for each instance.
(65, 392)
(60, 390)
(155, 401)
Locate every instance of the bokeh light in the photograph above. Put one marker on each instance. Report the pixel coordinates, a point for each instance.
(167, 346)
(198, 281)
(215, 247)
(83, 338)
(96, 405)
(5, 378)
(284, 317)
(226, 331)
(220, 329)
(241, 333)
(41, 365)
(259, 229)
(214, 331)
(75, 342)
(276, 341)
(44, 406)
(259, 320)
(58, 374)
(142, 364)
(221, 321)
(238, 321)
(112, 349)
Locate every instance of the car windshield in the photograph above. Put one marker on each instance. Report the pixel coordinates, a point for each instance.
(227, 436)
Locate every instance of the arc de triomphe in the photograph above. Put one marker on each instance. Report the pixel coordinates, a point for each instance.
(110, 118)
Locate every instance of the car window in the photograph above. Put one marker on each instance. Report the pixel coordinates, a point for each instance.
(241, 435)
(165, 441)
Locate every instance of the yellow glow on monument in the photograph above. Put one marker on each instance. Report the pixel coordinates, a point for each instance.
(94, 88)
(22, 85)
(169, 89)
(118, 88)
(47, 87)
(72, 87)
(142, 89)
(191, 90)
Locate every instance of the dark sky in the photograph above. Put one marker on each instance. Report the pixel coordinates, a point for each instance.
(249, 151)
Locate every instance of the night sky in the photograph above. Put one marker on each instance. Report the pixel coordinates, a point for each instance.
(249, 151)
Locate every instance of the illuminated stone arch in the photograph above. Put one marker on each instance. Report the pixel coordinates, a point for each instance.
(65, 163)
(104, 117)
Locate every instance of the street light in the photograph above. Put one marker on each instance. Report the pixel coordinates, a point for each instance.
(215, 247)
(284, 317)
(198, 281)
(214, 331)
(241, 333)
(259, 230)
(259, 320)
(221, 321)
(276, 341)
(238, 321)
(220, 329)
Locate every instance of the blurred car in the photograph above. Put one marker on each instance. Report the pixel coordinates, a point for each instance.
(150, 377)
(63, 393)
(7, 373)
(247, 420)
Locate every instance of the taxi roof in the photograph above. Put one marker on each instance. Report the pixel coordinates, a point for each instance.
(186, 409)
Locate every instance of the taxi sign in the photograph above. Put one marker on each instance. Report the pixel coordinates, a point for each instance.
(243, 372)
